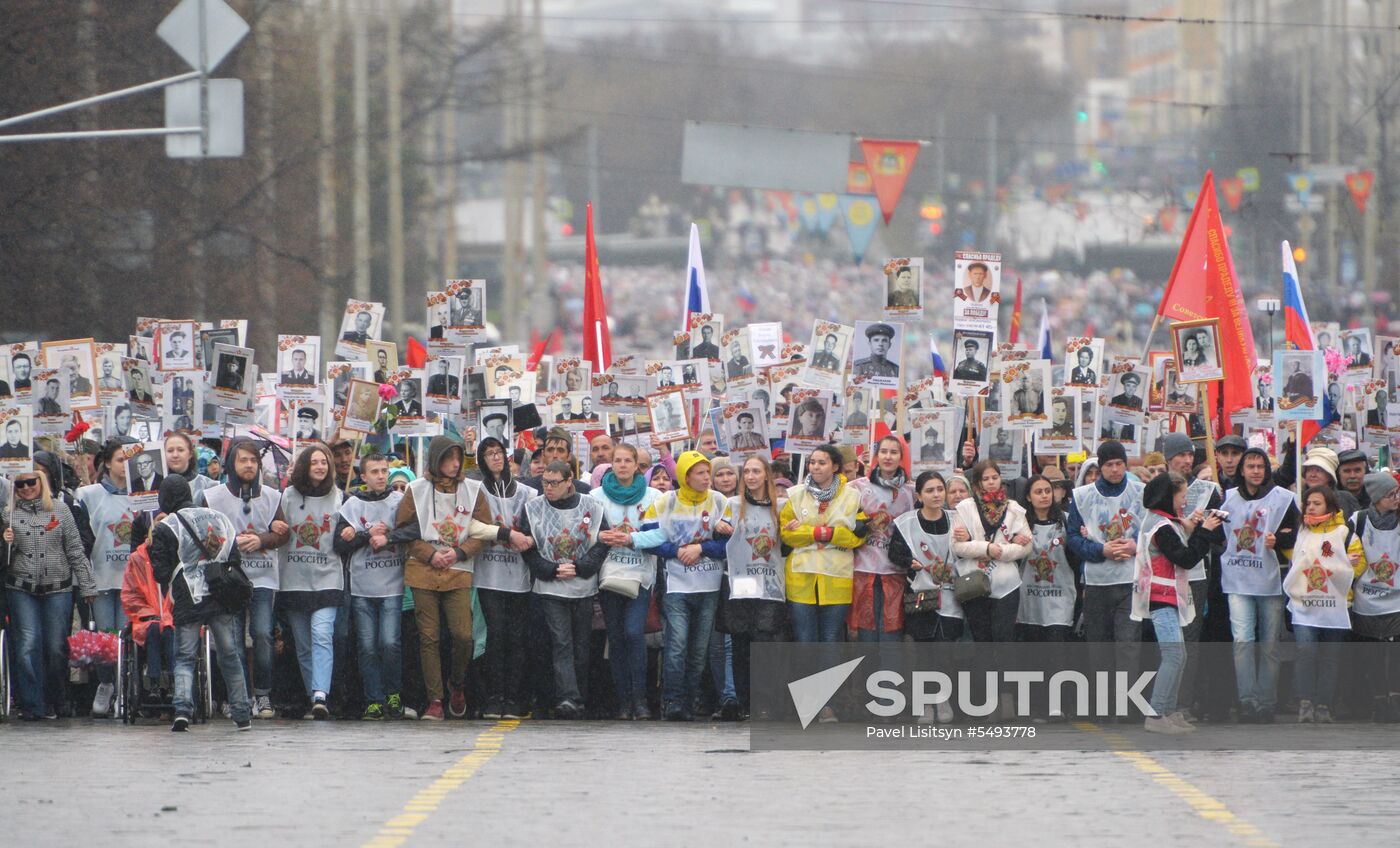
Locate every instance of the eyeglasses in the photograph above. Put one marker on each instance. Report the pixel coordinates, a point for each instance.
(558, 482)
(27, 484)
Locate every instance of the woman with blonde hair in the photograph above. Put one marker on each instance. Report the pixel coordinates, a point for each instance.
(753, 611)
(46, 561)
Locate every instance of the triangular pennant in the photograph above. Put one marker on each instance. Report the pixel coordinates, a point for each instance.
(890, 163)
(858, 179)
(859, 213)
(1359, 184)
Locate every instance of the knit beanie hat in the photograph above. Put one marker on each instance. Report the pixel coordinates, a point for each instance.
(1379, 484)
(1175, 444)
(1111, 450)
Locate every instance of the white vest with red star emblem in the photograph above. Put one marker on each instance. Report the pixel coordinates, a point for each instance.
(309, 560)
(754, 553)
(881, 508)
(110, 517)
(445, 518)
(564, 535)
(1319, 579)
(686, 524)
(497, 566)
(1047, 581)
(1106, 519)
(374, 574)
(260, 566)
(625, 561)
(214, 543)
(1247, 567)
(934, 553)
(1375, 592)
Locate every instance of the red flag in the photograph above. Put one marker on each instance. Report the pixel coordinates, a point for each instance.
(1016, 315)
(542, 347)
(597, 342)
(890, 164)
(1359, 183)
(1203, 285)
(417, 354)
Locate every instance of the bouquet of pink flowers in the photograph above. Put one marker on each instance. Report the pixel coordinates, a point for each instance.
(91, 648)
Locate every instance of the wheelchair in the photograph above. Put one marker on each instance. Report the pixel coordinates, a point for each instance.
(133, 698)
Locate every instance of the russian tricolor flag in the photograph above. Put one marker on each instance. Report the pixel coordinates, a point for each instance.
(939, 369)
(697, 296)
(1044, 341)
(1298, 334)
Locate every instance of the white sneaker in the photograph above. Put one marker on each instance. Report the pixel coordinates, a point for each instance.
(1165, 726)
(262, 707)
(102, 702)
(410, 714)
(944, 712)
(1180, 720)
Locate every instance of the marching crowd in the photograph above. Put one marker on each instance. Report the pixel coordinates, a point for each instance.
(570, 583)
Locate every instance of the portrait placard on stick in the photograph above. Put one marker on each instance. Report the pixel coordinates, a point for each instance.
(75, 358)
(976, 290)
(362, 322)
(16, 441)
(1197, 346)
(669, 415)
(904, 289)
(298, 363)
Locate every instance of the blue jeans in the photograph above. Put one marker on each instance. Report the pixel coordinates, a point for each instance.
(818, 622)
(1172, 644)
(226, 631)
(690, 619)
(261, 620)
(109, 615)
(626, 619)
(314, 632)
(1256, 619)
(41, 627)
(159, 647)
(1315, 674)
(377, 631)
(722, 665)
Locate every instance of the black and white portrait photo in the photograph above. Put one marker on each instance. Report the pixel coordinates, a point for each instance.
(175, 341)
(904, 289)
(1197, 351)
(734, 353)
(972, 352)
(704, 338)
(877, 353)
(1085, 359)
(668, 416)
(145, 470)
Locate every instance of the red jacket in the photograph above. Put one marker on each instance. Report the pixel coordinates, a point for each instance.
(141, 596)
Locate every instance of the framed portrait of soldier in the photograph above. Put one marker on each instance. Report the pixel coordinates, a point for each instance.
(1001, 445)
(826, 361)
(1023, 389)
(298, 367)
(1262, 379)
(904, 289)
(518, 388)
(933, 444)
(877, 353)
(362, 406)
(570, 374)
(745, 429)
(494, 417)
(145, 469)
(383, 358)
(972, 352)
(1175, 396)
(362, 322)
(735, 356)
(1127, 386)
(443, 385)
(338, 377)
(136, 377)
(50, 401)
(706, 330)
(108, 379)
(669, 415)
(174, 345)
(466, 311)
(211, 337)
(976, 290)
(1356, 347)
(182, 403)
(16, 440)
(614, 392)
(233, 384)
(308, 421)
(1065, 434)
(809, 419)
(76, 360)
(1197, 356)
(1327, 334)
(1084, 358)
(1124, 426)
(473, 389)
(1299, 379)
(856, 406)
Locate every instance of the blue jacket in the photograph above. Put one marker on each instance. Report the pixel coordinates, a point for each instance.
(1087, 549)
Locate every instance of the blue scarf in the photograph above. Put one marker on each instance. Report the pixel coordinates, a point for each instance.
(624, 495)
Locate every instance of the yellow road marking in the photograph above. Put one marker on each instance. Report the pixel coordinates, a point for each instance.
(397, 830)
(1205, 806)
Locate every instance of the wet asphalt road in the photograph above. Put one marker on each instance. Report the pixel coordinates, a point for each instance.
(85, 783)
